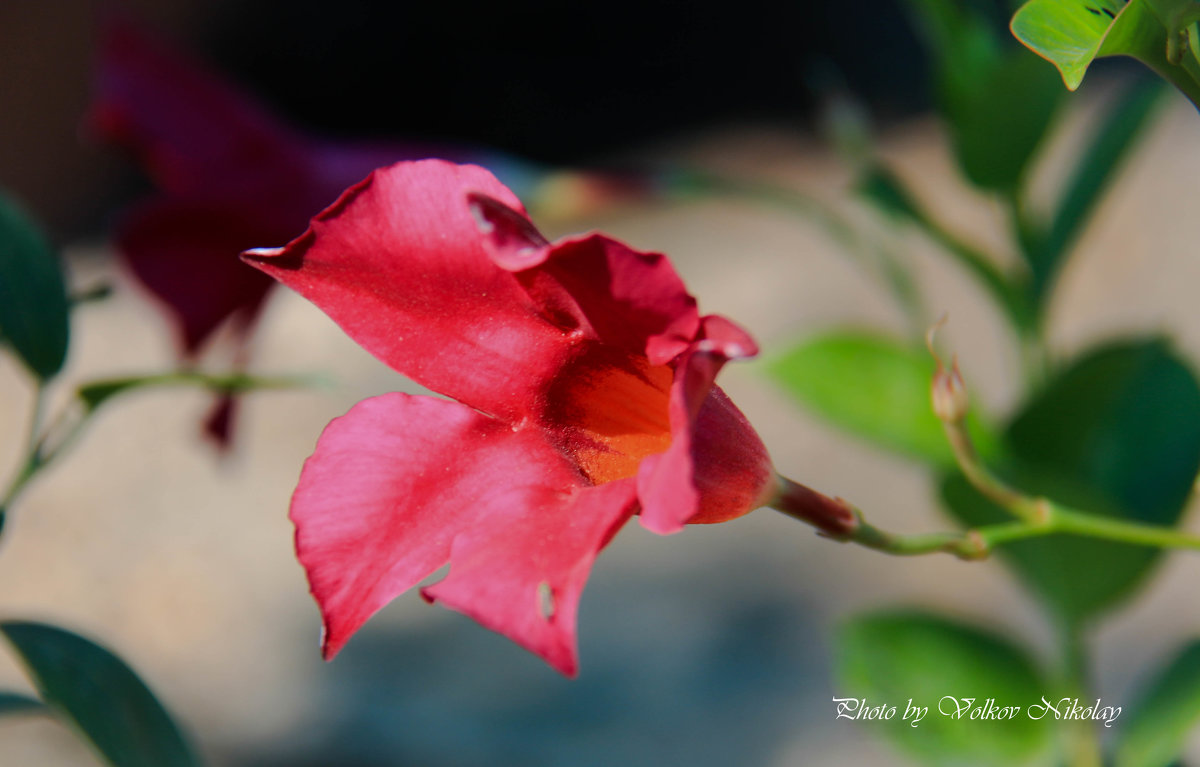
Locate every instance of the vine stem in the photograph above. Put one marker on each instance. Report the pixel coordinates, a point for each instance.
(43, 450)
(47, 442)
(1036, 516)
(1081, 741)
(1044, 518)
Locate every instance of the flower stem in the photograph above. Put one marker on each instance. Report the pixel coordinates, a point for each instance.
(838, 520)
(1035, 515)
(1082, 744)
(45, 446)
(46, 443)
(1050, 517)
(983, 480)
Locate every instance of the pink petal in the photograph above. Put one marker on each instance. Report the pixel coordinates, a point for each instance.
(399, 263)
(716, 468)
(400, 485)
(524, 579)
(626, 299)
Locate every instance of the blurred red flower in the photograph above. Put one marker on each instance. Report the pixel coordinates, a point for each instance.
(230, 176)
(583, 375)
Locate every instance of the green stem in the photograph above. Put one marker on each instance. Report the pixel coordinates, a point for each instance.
(47, 447)
(31, 464)
(37, 410)
(1036, 516)
(1032, 291)
(1065, 520)
(1052, 517)
(869, 253)
(983, 479)
(973, 544)
(1039, 517)
(1082, 743)
(46, 444)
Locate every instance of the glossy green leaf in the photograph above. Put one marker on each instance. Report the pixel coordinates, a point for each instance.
(14, 703)
(874, 387)
(1159, 722)
(1073, 33)
(34, 311)
(1067, 33)
(998, 100)
(911, 658)
(1112, 139)
(1116, 434)
(89, 687)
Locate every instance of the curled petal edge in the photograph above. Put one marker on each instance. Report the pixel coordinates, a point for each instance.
(691, 482)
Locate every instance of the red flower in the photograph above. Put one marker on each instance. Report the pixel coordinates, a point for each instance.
(231, 176)
(583, 375)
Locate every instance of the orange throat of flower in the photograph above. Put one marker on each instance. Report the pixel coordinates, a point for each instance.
(613, 415)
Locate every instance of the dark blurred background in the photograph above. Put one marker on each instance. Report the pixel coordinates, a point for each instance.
(549, 81)
(561, 82)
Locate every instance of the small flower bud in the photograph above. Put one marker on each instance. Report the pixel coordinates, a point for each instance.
(949, 394)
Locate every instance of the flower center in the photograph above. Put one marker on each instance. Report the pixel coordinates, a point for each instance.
(611, 413)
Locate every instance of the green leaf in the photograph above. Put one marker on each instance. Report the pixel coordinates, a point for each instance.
(14, 703)
(1067, 33)
(905, 658)
(1116, 434)
(34, 311)
(874, 387)
(94, 690)
(1128, 115)
(1158, 724)
(1073, 33)
(998, 100)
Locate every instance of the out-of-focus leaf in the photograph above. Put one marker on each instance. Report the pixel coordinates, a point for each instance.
(998, 100)
(1073, 33)
(96, 692)
(874, 387)
(1116, 434)
(96, 393)
(34, 313)
(1158, 724)
(893, 658)
(14, 703)
(999, 121)
(1113, 137)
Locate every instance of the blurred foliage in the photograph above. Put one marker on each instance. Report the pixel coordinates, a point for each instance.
(875, 387)
(1115, 434)
(96, 693)
(998, 100)
(34, 311)
(1113, 431)
(938, 664)
(1164, 714)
